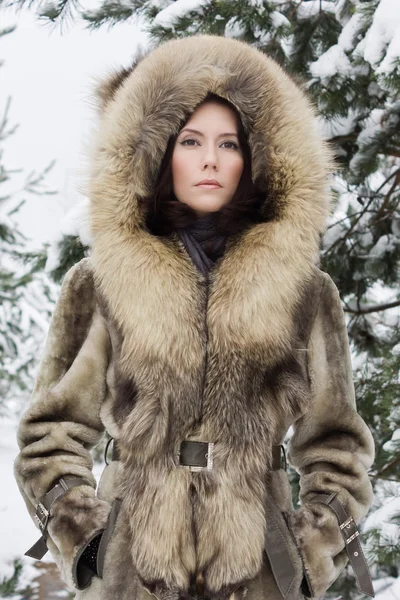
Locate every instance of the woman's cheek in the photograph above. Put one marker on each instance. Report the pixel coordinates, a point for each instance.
(237, 170)
(180, 169)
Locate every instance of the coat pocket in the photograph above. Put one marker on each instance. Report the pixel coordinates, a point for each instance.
(107, 534)
(283, 555)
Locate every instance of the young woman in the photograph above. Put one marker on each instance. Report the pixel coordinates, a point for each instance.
(200, 330)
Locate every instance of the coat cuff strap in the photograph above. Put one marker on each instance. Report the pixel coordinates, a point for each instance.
(351, 536)
(42, 515)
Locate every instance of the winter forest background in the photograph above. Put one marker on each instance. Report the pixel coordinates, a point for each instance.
(346, 53)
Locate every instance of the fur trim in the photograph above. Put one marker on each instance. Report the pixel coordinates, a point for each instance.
(77, 518)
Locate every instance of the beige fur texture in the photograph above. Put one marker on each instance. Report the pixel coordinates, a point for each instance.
(141, 347)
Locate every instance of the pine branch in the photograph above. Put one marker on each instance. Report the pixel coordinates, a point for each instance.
(391, 152)
(371, 309)
(353, 226)
(295, 8)
(387, 468)
(340, 139)
(380, 215)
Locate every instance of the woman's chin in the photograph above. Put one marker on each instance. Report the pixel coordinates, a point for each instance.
(206, 207)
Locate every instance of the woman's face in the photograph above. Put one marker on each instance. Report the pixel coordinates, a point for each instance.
(207, 147)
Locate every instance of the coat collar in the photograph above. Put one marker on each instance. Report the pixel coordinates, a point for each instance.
(264, 272)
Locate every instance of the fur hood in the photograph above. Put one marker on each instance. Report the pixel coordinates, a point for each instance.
(141, 107)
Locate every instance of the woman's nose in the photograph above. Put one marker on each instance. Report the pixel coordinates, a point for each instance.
(210, 158)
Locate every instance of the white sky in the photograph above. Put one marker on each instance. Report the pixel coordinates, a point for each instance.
(48, 73)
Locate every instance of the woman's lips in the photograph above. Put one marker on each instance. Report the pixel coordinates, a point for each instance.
(210, 186)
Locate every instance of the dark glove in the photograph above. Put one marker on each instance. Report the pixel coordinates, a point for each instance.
(87, 563)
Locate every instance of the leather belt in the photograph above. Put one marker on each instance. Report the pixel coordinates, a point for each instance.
(43, 513)
(351, 537)
(197, 456)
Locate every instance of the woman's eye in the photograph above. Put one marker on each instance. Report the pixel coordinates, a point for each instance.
(232, 144)
(235, 146)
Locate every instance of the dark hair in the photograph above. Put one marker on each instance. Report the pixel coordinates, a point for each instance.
(165, 213)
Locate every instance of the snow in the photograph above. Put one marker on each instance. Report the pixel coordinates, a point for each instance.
(349, 32)
(233, 29)
(74, 223)
(393, 444)
(358, 52)
(262, 36)
(339, 126)
(279, 20)
(15, 523)
(372, 126)
(385, 25)
(309, 9)
(335, 228)
(169, 15)
(383, 517)
(386, 243)
(392, 55)
(390, 591)
(333, 62)
(6, 221)
(160, 4)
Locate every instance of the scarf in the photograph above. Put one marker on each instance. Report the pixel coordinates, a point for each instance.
(203, 243)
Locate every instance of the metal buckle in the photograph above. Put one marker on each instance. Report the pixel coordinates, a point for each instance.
(210, 456)
(41, 516)
(347, 527)
(352, 537)
(195, 469)
(347, 524)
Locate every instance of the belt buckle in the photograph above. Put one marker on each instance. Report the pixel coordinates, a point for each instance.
(210, 459)
(41, 516)
(196, 469)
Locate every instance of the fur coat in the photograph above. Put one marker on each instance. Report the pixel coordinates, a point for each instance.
(139, 346)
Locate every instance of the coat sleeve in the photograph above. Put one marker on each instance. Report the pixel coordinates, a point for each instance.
(62, 423)
(331, 447)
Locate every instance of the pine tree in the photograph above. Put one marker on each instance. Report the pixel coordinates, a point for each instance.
(26, 294)
(345, 53)
(26, 300)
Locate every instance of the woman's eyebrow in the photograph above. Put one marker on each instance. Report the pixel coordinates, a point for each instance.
(202, 134)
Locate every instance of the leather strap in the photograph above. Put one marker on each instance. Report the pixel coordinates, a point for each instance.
(278, 458)
(106, 536)
(278, 454)
(277, 548)
(351, 537)
(43, 513)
